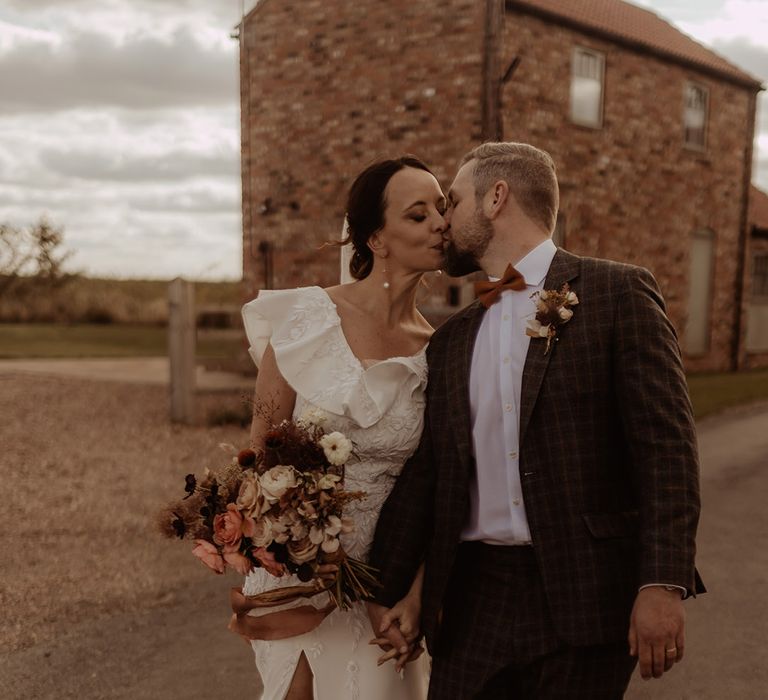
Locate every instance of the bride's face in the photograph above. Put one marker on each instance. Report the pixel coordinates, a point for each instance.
(412, 234)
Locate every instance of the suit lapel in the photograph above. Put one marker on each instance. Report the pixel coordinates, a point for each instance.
(457, 403)
(564, 268)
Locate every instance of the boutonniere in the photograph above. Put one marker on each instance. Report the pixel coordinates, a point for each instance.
(553, 309)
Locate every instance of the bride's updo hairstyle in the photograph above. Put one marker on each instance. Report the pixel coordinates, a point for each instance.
(366, 204)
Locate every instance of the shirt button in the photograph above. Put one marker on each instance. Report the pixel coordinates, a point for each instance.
(516, 502)
(508, 407)
(506, 317)
(506, 360)
(513, 454)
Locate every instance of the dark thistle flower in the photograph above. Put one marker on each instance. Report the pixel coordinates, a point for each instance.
(246, 458)
(190, 485)
(280, 551)
(274, 440)
(305, 572)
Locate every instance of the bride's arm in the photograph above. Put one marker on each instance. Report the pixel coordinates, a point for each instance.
(271, 392)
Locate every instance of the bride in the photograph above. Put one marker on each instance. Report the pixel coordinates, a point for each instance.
(352, 357)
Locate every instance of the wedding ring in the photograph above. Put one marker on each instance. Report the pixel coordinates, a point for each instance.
(671, 651)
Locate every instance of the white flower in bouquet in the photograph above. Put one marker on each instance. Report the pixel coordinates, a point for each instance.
(276, 481)
(262, 533)
(313, 416)
(334, 526)
(280, 525)
(565, 314)
(337, 448)
(571, 298)
(299, 530)
(328, 481)
(330, 544)
(316, 534)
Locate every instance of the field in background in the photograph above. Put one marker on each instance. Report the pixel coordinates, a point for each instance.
(711, 393)
(106, 301)
(46, 340)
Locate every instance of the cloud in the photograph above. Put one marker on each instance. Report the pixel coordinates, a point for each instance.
(88, 69)
(110, 166)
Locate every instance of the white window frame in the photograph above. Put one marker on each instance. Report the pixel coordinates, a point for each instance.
(578, 52)
(689, 86)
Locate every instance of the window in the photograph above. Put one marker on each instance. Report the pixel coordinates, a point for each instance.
(587, 75)
(695, 116)
(558, 235)
(700, 291)
(760, 276)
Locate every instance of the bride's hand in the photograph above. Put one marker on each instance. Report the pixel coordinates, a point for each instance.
(406, 614)
(404, 618)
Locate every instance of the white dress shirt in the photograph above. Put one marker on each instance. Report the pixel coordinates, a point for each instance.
(497, 511)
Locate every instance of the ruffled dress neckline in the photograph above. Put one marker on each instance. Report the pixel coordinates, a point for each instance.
(304, 329)
(367, 363)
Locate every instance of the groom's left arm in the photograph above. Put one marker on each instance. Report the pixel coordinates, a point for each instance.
(659, 429)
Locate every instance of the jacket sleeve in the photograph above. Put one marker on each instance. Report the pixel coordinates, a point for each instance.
(659, 429)
(405, 524)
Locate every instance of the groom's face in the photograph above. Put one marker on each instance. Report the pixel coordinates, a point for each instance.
(470, 231)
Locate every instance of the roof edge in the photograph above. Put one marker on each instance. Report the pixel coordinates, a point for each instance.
(746, 81)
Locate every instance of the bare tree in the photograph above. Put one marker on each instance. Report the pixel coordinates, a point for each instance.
(32, 255)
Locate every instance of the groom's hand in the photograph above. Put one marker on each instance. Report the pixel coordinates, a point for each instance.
(657, 630)
(388, 636)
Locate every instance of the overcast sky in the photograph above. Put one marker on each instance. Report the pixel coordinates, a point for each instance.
(119, 119)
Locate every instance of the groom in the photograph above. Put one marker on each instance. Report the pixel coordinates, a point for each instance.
(554, 496)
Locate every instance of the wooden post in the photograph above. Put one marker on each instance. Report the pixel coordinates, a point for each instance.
(181, 349)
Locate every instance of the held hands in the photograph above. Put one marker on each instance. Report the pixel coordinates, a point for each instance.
(657, 630)
(397, 630)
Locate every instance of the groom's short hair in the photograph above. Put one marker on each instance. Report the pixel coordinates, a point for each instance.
(529, 172)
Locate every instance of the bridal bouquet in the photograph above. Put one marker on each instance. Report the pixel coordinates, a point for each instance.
(280, 509)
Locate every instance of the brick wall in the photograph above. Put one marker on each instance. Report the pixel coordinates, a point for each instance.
(630, 190)
(329, 86)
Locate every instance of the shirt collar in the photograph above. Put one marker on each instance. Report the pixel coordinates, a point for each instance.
(535, 265)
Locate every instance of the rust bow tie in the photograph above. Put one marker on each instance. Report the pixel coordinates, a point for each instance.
(489, 292)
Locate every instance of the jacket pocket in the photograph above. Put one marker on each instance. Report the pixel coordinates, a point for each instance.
(604, 526)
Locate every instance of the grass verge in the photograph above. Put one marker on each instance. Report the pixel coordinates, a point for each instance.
(45, 340)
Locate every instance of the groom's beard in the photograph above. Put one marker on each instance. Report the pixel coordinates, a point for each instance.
(475, 237)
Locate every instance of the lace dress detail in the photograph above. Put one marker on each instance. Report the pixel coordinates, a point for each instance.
(379, 405)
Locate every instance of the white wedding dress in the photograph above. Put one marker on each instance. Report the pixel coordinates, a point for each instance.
(379, 405)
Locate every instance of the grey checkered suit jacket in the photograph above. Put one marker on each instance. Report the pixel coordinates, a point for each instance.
(608, 459)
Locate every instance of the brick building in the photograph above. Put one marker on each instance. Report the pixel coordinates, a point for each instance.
(651, 132)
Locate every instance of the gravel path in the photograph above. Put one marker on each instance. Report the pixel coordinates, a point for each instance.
(95, 604)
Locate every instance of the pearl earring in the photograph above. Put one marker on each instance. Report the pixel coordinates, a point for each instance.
(386, 281)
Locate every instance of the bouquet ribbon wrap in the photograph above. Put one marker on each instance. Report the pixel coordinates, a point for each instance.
(281, 624)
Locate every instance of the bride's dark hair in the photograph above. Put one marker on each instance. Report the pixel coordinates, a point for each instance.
(365, 208)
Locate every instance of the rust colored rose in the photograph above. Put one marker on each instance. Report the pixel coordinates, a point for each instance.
(302, 551)
(209, 555)
(238, 562)
(228, 528)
